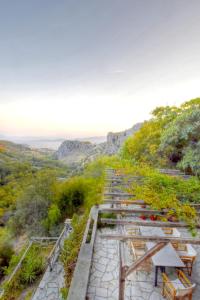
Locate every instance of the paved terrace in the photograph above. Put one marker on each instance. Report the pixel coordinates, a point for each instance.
(104, 275)
(100, 258)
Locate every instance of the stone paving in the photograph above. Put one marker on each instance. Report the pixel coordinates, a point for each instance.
(104, 277)
(103, 283)
(52, 281)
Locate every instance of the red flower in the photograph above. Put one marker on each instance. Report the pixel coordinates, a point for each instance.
(153, 218)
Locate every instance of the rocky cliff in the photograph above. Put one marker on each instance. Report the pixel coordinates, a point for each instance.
(74, 151)
(116, 140)
(78, 151)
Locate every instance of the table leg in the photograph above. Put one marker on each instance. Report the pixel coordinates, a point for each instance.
(162, 269)
(156, 275)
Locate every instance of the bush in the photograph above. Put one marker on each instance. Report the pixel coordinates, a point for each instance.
(33, 265)
(71, 196)
(6, 251)
(71, 247)
(33, 205)
(166, 192)
(106, 216)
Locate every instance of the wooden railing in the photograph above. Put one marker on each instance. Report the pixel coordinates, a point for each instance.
(53, 256)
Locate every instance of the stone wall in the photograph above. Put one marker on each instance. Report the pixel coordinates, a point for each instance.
(79, 284)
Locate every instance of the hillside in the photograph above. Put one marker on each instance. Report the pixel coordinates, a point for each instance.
(35, 202)
(73, 152)
(18, 166)
(21, 152)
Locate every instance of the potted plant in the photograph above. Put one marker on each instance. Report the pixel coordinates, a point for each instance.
(153, 217)
(143, 217)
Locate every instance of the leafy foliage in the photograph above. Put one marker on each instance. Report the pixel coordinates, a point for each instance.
(91, 184)
(36, 202)
(6, 250)
(181, 140)
(30, 271)
(33, 204)
(170, 139)
(165, 192)
(145, 144)
(33, 265)
(72, 246)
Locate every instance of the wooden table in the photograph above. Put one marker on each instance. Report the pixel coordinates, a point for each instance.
(166, 257)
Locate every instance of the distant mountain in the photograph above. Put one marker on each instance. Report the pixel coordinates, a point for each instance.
(48, 143)
(69, 151)
(36, 143)
(12, 152)
(76, 151)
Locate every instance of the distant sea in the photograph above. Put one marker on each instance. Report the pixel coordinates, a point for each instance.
(50, 143)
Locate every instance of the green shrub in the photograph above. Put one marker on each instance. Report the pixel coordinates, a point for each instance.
(71, 195)
(33, 266)
(106, 216)
(71, 247)
(64, 293)
(166, 192)
(6, 251)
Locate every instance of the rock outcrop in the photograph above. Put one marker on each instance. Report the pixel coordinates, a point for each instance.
(74, 151)
(116, 140)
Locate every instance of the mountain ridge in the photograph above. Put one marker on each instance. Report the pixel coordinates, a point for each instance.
(76, 151)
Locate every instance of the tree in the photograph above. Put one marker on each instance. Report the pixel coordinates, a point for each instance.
(53, 218)
(71, 195)
(33, 205)
(144, 145)
(181, 140)
(6, 250)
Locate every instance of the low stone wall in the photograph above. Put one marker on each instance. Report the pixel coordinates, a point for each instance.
(79, 284)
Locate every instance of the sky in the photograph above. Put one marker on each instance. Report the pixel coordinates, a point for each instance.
(74, 68)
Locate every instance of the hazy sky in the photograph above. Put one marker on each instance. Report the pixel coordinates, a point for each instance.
(80, 68)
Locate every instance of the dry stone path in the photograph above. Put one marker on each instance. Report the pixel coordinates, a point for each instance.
(52, 281)
(103, 283)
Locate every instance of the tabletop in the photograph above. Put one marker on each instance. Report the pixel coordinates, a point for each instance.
(166, 257)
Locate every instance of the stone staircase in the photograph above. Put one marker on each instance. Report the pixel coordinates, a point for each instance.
(53, 279)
